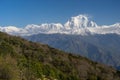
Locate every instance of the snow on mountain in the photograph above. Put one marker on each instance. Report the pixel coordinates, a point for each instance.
(78, 22)
(115, 28)
(78, 25)
(44, 28)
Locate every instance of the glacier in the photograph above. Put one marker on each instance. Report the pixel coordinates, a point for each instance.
(78, 25)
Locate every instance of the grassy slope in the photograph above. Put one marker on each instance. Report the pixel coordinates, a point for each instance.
(24, 60)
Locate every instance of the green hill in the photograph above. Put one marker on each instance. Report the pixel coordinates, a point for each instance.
(24, 60)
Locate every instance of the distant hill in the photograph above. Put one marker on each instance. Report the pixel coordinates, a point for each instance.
(25, 60)
(100, 48)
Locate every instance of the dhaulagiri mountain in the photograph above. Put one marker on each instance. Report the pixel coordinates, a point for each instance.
(21, 59)
(78, 25)
(79, 35)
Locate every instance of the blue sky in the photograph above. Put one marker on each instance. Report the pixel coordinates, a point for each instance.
(22, 12)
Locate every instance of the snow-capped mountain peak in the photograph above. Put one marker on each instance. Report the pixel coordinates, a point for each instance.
(116, 25)
(78, 25)
(80, 21)
(9, 29)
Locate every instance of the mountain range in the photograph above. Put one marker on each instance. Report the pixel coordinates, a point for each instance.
(79, 35)
(78, 25)
(100, 48)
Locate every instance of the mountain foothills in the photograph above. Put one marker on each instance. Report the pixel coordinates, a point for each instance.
(78, 35)
(100, 48)
(25, 60)
(78, 25)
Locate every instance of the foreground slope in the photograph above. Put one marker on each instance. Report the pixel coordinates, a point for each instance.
(24, 60)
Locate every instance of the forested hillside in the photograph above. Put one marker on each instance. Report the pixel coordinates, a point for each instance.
(24, 60)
